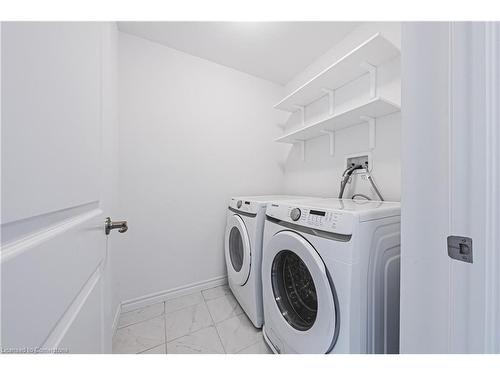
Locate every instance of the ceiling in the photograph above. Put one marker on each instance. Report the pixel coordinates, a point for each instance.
(275, 51)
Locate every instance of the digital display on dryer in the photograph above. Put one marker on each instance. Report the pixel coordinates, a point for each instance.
(319, 213)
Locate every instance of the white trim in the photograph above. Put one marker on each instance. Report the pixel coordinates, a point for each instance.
(149, 299)
(449, 302)
(492, 186)
(473, 107)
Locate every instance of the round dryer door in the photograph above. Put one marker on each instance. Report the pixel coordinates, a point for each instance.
(301, 300)
(237, 250)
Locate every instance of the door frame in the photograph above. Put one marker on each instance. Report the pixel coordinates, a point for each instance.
(473, 190)
(450, 83)
(492, 188)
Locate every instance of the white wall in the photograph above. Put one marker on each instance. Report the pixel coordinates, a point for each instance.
(320, 173)
(192, 134)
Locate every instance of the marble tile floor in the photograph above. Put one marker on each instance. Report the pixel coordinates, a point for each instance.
(206, 322)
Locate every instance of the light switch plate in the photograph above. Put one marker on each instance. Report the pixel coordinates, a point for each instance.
(460, 248)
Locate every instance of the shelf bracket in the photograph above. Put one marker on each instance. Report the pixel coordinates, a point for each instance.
(303, 147)
(331, 99)
(302, 109)
(331, 134)
(371, 130)
(372, 70)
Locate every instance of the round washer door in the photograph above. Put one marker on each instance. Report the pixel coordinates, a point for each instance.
(301, 301)
(237, 250)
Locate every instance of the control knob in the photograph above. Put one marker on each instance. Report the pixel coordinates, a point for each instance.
(295, 214)
(239, 203)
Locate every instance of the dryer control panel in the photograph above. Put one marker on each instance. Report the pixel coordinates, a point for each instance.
(334, 221)
(246, 206)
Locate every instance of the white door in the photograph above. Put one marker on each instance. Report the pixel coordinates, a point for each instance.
(450, 186)
(57, 159)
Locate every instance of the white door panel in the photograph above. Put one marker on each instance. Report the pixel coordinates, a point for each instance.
(42, 274)
(51, 117)
(82, 335)
(56, 106)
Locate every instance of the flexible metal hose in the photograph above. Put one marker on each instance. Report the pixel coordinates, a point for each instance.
(370, 178)
(345, 177)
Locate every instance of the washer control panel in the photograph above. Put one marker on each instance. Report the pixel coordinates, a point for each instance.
(335, 221)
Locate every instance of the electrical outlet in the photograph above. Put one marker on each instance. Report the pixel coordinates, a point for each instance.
(363, 160)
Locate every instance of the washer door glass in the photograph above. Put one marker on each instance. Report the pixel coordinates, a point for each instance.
(236, 250)
(294, 290)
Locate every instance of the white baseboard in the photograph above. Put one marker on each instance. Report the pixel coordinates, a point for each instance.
(116, 319)
(149, 299)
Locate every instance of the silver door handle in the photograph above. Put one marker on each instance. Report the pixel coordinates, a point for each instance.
(122, 226)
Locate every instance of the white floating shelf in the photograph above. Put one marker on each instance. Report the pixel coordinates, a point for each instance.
(373, 52)
(376, 107)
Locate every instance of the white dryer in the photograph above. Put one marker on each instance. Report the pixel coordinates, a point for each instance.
(330, 276)
(243, 251)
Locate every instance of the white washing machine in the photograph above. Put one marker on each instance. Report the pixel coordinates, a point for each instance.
(330, 276)
(243, 250)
